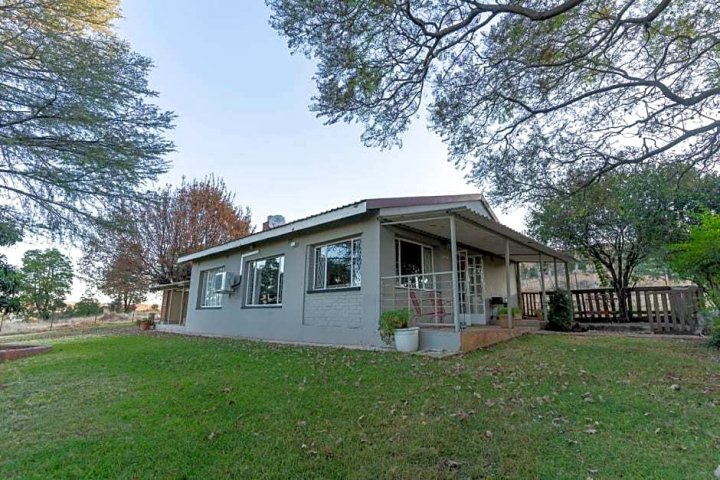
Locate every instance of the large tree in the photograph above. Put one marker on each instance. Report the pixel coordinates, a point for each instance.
(78, 131)
(625, 219)
(124, 277)
(47, 280)
(524, 91)
(181, 220)
(697, 258)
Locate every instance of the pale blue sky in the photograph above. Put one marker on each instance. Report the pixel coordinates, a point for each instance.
(242, 105)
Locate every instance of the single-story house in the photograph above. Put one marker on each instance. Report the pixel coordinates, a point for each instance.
(326, 278)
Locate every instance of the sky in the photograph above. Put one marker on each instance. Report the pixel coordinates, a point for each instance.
(242, 102)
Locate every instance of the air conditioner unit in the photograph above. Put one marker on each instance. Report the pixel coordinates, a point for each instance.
(225, 282)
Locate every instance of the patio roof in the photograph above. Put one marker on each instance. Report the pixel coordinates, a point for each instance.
(476, 230)
(170, 286)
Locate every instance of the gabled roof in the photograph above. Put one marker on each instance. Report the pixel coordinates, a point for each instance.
(344, 212)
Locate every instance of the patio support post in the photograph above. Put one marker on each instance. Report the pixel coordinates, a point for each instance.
(454, 262)
(543, 300)
(569, 290)
(557, 285)
(567, 276)
(170, 306)
(507, 284)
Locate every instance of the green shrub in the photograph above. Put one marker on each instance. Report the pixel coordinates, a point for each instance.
(390, 321)
(516, 311)
(560, 311)
(502, 311)
(715, 333)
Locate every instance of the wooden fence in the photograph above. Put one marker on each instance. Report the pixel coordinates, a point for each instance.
(666, 309)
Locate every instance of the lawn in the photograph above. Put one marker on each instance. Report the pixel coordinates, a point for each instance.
(550, 406)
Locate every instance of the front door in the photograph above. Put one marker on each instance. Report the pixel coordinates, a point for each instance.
(470, 288)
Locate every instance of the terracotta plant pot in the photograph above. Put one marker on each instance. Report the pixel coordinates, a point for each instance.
(503, 320)
(145, 326)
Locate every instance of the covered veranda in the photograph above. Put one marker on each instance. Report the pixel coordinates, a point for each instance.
(466, 231)
(173, 309)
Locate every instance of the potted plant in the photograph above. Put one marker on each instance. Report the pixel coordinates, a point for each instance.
(539, 313)
(503, 317)
(394, 326)
(516, 313)
(147, 323)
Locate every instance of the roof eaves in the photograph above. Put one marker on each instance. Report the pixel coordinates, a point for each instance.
(315, 220)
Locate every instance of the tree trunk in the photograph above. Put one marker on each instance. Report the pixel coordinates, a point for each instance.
(622, 296)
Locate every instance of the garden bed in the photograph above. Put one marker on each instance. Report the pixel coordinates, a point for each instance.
(13, 352)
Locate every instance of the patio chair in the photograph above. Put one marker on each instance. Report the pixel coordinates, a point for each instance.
(435, 305)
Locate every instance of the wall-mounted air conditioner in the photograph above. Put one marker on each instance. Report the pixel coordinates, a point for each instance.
(226, 282)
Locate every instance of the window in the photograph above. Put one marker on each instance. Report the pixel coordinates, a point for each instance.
(338, 265)
(209, 298)
(265, 281)
(414, 263)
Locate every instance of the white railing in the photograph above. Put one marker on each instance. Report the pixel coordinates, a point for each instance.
(428, 297)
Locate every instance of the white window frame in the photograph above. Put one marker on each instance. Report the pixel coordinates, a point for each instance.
(250, 292)
(206, 287)
(353, 283)
(404, 280)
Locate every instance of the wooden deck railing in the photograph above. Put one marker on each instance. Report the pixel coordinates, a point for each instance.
(666, 308)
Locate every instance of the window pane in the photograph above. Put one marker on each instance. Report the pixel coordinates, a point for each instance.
(414, 261)
(357, 263)
(208, 296)
(265, 282)
(338, 265)
(410, 259)
(320, 267)
(427, 260)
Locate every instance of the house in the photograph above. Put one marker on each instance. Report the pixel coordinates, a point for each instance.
(327, 278)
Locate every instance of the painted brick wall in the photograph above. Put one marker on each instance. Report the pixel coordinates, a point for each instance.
(335, 309)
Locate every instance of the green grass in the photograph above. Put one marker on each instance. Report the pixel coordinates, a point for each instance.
(160, 406)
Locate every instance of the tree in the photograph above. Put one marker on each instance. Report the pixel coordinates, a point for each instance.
(194, 216)
(624, 219)
(124, 279)
(10, 289)
(87, 306)
(523, 92)
(78, 133)
(698, 257)
(48, 277)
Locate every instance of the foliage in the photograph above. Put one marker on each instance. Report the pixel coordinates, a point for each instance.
(391, 321)
(624, 219)
(715, 333)
(698, 257)
(194, 216)
(47, 279)
(124, 278)
(87, 306)
(11, 281)
(519, 410)
(514, 310)
(10, 233)
(78, 133)
(524, 92)
(560, 311)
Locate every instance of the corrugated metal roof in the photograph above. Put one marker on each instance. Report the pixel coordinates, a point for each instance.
(355, 208)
